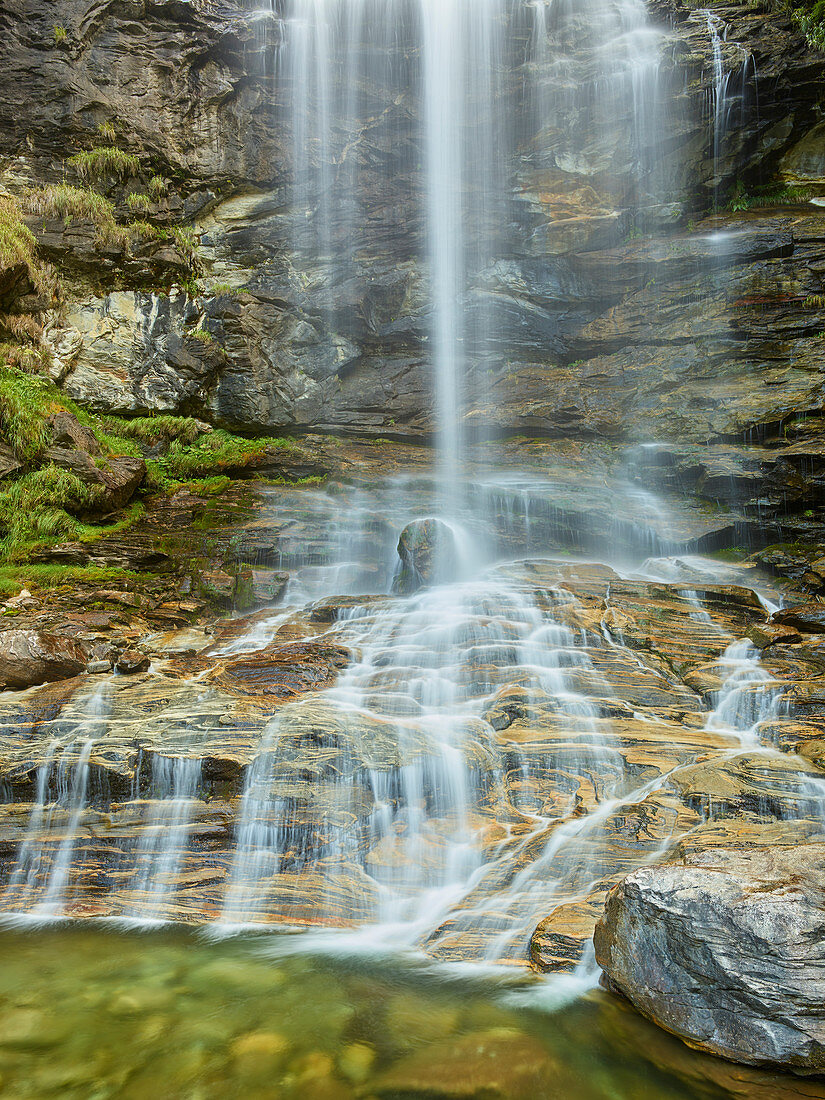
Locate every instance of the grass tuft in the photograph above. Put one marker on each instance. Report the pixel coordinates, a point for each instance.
(103, 161)
(137, 201)
(18, 248)
(157, 187)
(151, 430)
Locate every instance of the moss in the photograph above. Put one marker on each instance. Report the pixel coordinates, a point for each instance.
(207, 486)
(103, 161)
(209, 456)
(60, 34)
(47, 576)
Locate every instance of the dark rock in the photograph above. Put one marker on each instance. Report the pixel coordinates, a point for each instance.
(30, 657)
(428, 553)
(113, 482)
(132, 661)
(9, 463)
(808, 618)
(727, 951)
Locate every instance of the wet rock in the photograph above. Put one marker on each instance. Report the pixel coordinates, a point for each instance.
(767, 635)
(274, 674)
(29, 657)
(727, 951)
(259, 586)
(429, 555)
(132, 661)
(807, 618)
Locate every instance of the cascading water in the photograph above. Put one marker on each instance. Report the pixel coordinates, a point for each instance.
(501, 747)
(162, 844)
(729, 105)
(40, 884)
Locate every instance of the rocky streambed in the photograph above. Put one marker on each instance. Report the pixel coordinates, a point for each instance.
(470, 770)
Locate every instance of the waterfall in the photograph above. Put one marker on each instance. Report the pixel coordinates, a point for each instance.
(455, 166)
(164, 835)
(728, 102)
(41, 881)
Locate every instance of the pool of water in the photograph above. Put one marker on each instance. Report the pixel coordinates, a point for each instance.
(92, 1013)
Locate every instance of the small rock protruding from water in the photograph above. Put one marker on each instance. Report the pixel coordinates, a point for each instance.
(429, 555)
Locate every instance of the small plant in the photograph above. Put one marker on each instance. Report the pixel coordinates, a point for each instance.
(186, 243)
(146, 231)
(106, 160)
(18, 248)
(61, 35)
(62, 200)
(772, 194)
(137, 202)
(227, 290)
(107, 131)
(203, 336)
(157, 187)
(814, 301)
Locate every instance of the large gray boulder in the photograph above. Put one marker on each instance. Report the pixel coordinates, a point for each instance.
(29, 657)
(727, 951)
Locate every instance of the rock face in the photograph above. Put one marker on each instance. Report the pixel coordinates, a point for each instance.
(606, 320)
(32, 657)
(726, 950)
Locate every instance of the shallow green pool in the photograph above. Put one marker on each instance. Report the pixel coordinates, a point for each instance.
(91, 1013)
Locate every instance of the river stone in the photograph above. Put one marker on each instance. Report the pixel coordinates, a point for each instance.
(428, 554)
(29, 657)
(727, 951)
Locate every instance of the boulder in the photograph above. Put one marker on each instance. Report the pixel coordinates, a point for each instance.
(428, 553)
(29, 657)
(808, 617)
(67, 431)
(727, 951)
(765, 635)
(132, 661)
(113, 481)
